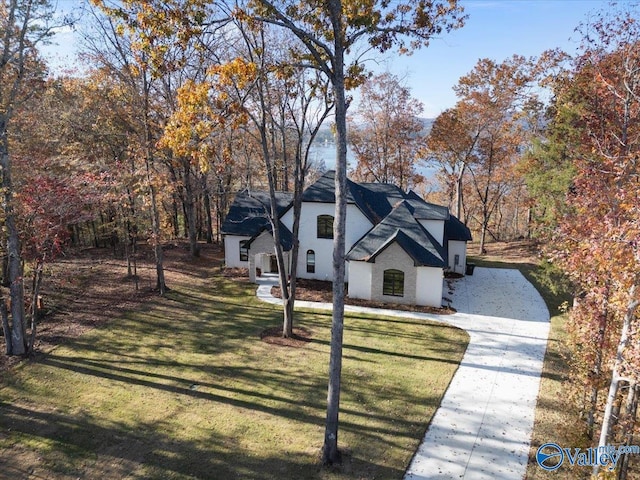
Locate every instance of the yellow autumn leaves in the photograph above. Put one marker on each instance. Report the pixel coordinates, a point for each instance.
(207, 108)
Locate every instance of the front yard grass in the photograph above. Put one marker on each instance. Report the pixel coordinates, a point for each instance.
(184, 388)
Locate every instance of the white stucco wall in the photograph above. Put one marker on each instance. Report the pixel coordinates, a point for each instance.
(232, 251)
(429, 286)
(360, 280)
(457, 247)
(435, 228)
(356, 226)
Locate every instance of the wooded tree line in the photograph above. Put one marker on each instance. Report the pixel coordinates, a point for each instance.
(551, 146)
(182, 103)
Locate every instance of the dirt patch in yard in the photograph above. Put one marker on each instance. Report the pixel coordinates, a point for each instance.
(300, 337)
(516, 251)
(320, 291)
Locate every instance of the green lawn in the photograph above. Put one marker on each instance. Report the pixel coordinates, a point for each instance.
(185, 388)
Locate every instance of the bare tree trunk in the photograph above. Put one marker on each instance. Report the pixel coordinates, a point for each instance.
(5, 327)
(35, 305)
(607, 420)
(330, 452)
(161, 285)
(190, 211)
(597, 369)
(459, 194)
(207, 209)
(631, 409)
(14, 265)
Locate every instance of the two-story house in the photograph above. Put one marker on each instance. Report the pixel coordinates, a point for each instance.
(397, 245)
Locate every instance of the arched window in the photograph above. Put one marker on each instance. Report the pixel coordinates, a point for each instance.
(393, 283)
(311, 261)
(325, 226)
(244, 250)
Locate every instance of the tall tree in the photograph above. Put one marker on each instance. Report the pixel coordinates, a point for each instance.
(137, 41)
(328, 31)
(599, 236)
(24, 24)
(493, 97)
(386, 132)
(450, 146)
(290, 103)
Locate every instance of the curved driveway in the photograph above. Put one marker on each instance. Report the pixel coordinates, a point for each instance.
(482, 429)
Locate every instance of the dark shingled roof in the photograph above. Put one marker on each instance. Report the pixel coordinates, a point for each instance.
(375, 200)
(425, 210)
(402, 227)
(454, 229)
(248, 213)
(394, 213)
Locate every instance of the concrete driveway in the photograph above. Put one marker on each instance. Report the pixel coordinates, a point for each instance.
(482, 429)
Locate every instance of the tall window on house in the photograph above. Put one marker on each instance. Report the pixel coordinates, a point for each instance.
(393, 283)
(325, 226)
(244, 250)
(311, 261)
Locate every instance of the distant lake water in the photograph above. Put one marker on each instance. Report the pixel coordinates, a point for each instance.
(325, 152)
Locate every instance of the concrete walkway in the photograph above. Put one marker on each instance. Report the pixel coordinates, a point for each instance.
(482, 429)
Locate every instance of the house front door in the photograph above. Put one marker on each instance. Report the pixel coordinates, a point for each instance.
(274, 263)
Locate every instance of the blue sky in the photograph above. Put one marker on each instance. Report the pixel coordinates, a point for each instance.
(496, 29)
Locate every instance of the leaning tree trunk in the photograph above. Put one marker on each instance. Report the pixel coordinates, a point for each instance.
(607, 420)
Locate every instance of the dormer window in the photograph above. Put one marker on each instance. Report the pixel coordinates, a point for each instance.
(325, 226)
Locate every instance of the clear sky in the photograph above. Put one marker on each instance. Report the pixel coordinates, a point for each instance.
(495, 29)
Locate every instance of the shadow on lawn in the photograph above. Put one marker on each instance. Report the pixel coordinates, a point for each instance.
(211, 326)
(310, 392)
(146, 452)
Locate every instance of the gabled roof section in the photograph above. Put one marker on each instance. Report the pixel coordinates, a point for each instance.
(248, 213)
(402, 227)
(454, 229)
(424, 210)
(323, 190)
(286, 237)
(375, 200)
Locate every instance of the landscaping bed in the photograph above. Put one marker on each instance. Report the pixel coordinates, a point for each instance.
(321, 291)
